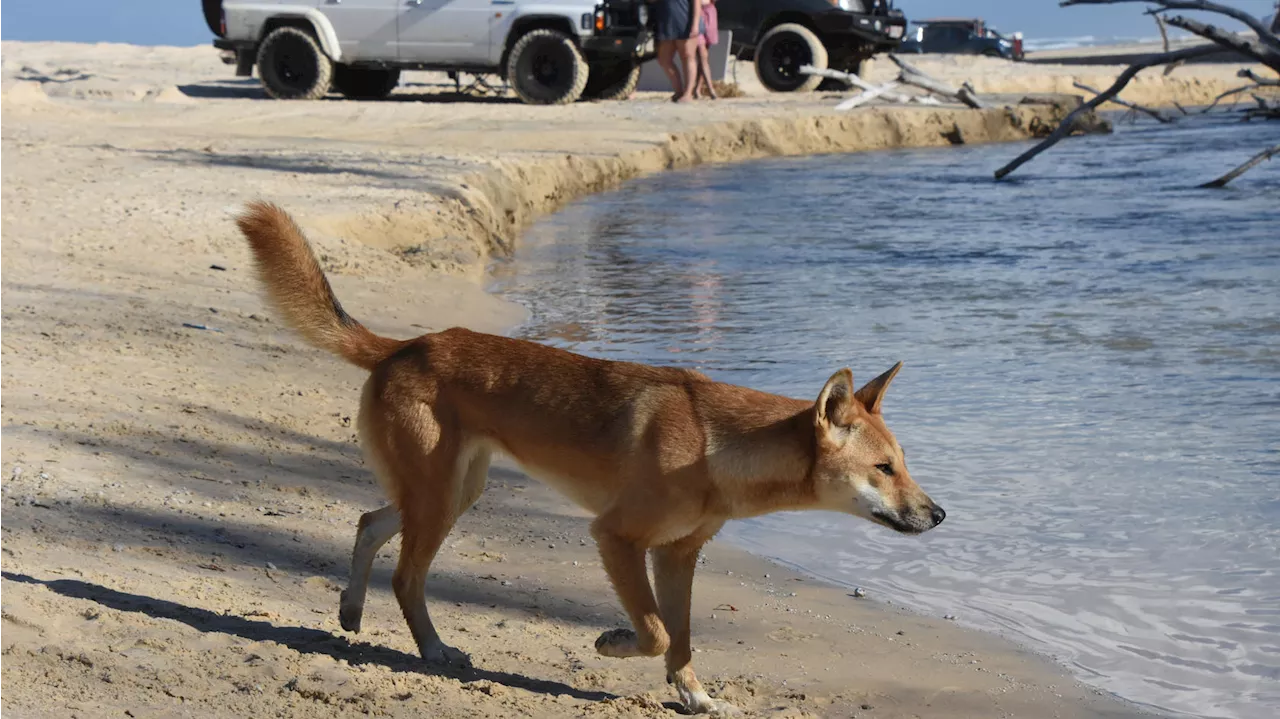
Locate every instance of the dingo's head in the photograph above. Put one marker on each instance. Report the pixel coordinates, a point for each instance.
(860, 467)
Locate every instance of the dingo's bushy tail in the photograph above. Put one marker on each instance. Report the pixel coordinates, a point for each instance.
(298, 288)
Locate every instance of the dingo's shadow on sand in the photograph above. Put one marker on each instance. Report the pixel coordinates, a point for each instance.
(300, 639)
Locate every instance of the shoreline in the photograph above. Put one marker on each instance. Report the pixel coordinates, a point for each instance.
(178, 510)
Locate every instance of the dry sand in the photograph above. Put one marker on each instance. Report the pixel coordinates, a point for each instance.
(180, 480)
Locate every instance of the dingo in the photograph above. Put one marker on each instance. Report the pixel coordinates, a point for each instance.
(661, 456)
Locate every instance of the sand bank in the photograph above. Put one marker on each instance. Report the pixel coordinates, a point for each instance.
(1188, 85)
(181, 481)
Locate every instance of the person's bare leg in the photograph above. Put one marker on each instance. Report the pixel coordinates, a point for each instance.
(704, 70)
(698, 83)
(666, 61)
(688, 49)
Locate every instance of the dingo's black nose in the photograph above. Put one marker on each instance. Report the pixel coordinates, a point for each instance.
(938, 515)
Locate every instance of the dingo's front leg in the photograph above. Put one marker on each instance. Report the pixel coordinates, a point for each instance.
(673, 567)
(623, 559)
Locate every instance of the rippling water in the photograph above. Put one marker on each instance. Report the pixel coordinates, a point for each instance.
(1091, 389)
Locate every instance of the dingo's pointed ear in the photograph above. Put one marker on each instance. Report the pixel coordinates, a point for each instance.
(873, 392)
(836, 400)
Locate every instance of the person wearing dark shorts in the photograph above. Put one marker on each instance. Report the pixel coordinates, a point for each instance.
(678, 23)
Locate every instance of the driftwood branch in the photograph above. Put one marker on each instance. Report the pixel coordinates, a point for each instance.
(911, 75)
(1257, 79)
(869, 92)
(1125, 103)
(856, 81)
(1256, 49)
(1225, 95)
(1266, 109)
(1164, 38)
(1264, 33)
(1064, 128)
(1253, 162)
(868, 95)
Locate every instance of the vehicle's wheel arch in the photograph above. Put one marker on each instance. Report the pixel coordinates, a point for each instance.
(311, 22)
(213, 16)
(525, 24)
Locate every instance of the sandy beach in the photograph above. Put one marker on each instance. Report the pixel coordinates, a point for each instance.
(180, 477)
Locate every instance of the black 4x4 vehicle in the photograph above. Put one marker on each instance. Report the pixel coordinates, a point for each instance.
(963, 36)
(784, 35)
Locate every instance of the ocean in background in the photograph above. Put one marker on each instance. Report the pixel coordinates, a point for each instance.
(1032, 44)
(1091, 388)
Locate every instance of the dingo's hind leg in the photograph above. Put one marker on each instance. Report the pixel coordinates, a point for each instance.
(376, 528)
(418, 461)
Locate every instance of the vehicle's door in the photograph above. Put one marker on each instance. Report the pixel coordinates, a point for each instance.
(447, 31)
(974, 43)
(948, 39)
(366, 29)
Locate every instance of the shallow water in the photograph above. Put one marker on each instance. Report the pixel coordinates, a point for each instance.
(1091, 389)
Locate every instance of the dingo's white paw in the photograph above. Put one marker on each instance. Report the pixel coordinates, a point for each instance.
(713, 707)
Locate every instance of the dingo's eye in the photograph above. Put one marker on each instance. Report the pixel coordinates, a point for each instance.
(886, 469)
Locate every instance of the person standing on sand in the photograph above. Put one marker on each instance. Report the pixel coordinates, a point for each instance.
(709, 36)
(678, 26)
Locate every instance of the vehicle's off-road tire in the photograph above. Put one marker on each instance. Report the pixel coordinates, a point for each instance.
(292, 66)
(782, 51)
(612, 80)
(546, 68)
(364, 83)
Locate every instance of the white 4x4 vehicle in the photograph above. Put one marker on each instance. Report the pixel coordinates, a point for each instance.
(550, 51)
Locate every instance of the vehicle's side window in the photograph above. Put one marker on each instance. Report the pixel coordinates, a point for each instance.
(945, 37)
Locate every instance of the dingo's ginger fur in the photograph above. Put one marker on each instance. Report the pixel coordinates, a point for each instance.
(662, 457)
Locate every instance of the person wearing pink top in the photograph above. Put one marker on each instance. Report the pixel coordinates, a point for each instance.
(710, 35)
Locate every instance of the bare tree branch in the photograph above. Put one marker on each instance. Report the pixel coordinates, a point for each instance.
(1126, 103)
(1164, 38)
(1258, 79)
(1064, 128)
(1259, 51)
(1264, 33)
(911, 75)
(1253, 161)
(1228, 93)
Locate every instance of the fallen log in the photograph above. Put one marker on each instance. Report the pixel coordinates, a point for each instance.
(1253, 162)
(1264, 33)
(911, 75)
(868, 95)
(1258, 49)
(1064, 127)
(1228, 93)
(1126, 103)
(869, 92)
(848, 77)
(1257, 79)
